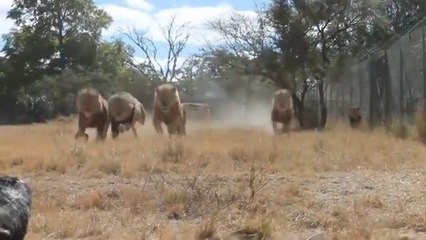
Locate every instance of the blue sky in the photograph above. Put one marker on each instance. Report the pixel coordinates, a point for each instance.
(148, 15)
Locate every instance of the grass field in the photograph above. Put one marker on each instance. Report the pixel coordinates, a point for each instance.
(351, 184)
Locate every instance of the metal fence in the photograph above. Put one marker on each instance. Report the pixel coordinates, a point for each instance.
(386, 83)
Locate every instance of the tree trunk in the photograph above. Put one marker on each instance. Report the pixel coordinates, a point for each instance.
(61, 37)
(323, 105)
(297, 103)
(298, 110)
(305, 85)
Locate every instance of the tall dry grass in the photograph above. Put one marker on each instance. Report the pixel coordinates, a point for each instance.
(217, 182)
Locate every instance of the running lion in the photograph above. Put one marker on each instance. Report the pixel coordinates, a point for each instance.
(125, 110)
(92, 113)
(168, 109)
(282, 110)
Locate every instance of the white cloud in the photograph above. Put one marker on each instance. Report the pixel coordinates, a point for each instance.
(5, 24)
(140, 4)
(124, 18)
(151, 22)
(197, 17)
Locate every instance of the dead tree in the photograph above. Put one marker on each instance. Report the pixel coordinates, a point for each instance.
(176, 39)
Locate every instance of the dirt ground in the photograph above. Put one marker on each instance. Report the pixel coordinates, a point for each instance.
(228, 182)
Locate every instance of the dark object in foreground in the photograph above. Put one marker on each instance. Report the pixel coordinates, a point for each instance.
(355, 116)
(15, 208)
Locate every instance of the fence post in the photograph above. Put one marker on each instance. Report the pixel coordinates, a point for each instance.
(424, 69)
(424, 73)
(387, 88)
(337, 100)
(350, 81)
(361, 85)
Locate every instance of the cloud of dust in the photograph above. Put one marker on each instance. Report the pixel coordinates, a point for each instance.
(234, 110)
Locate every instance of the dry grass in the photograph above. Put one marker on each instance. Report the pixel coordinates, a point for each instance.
(218, 181)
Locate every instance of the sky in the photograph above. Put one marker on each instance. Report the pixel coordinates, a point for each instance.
(148, 15)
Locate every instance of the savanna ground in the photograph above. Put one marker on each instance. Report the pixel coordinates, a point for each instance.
(351, 184)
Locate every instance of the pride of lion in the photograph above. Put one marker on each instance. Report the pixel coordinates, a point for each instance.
(123, 111)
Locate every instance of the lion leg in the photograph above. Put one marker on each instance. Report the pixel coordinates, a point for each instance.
(81, 132)
(286, 128)
(134, 130)
(105, 129)
(183, 124)
(157, 126)
(114, 129)
(102, 130)
(181, 128)
(275, 127)
(172, 128)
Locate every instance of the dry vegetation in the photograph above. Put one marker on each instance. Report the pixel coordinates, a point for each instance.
(218, 183)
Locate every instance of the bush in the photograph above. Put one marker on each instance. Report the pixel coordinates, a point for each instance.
(31, 108)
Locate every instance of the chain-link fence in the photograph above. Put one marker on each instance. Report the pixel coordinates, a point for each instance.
(386, 83)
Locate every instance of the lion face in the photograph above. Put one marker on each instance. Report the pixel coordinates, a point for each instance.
(355, 112)
(89, 104)
(166, 97)
(282, 100)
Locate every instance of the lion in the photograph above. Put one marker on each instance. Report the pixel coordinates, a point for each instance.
(125, 110)
(282, 110)
(199, 111)
(168, 109)
(92, 113)
(355, 116)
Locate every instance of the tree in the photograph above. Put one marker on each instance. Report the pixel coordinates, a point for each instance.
(272, 47)
(294, 52)
(52, 35)
(114, 57)
(176, 39)
(323, 27)
(399, 15)
(242, 44)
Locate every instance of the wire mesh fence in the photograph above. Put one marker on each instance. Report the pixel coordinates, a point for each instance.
(386, 84)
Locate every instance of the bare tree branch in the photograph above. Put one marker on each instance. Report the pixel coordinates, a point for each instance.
(176, 40)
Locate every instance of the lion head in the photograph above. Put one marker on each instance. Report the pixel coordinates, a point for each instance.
(89, 102)
(166, 97)
(282, 100)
